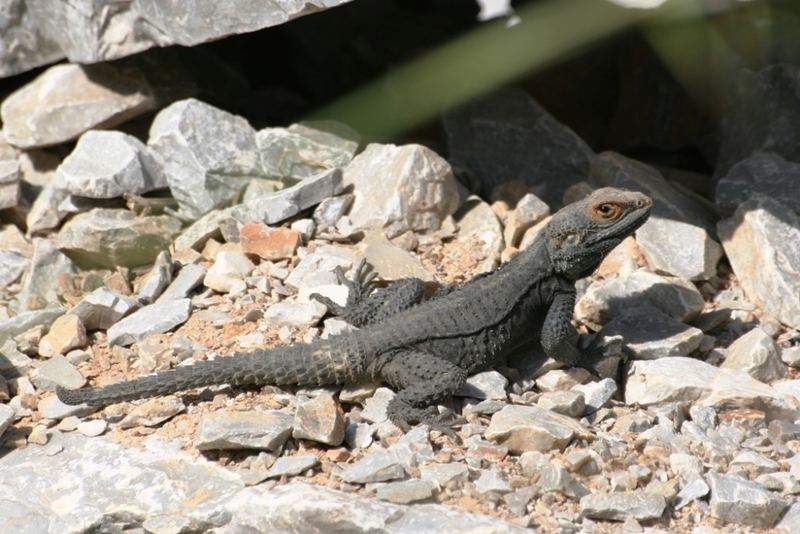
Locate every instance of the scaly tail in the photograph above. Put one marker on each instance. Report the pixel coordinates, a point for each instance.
(318, 363)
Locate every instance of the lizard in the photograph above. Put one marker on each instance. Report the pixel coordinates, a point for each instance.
(426, 349)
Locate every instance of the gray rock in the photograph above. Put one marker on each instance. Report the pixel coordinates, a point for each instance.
(40, 285)
(292, 465)
(502, 136)
(12, 265)
(405, 492)
(597, 394)
(301, 150)
(319, 419)
(331, 209)
(295, 313)
(480, 233)
(153, 412)
(691, 251)
(485, 385)
(531, 428)
(383, 174)
(651, 334)
(107, 238)
(605, 299)
(758, 115)
(107, 164)
(201, 230)
(790, 522)
(556, 478)
(703, 416)
(686, 466)
(765, 174)
(229, 269)
(316, 268)
(6, 418)
(9, 184)
(358, 435)
(696, 489)
(243, 430)
(570, 403)
(188, 278)
(153, 319)
(754, 462)
(619, 506)
(377, 466)
(102, 95)
(90, 470)
(443, 475)
(529, 210)
(25, 321)
(276, 207)
(492, 482)
(13, 363)
(157, 279)
(57, 371)
(46, 212)
(756, 354)
(791, 356)
(741, 502)
(389, 261)
(651, 383)
(762, 242)
(102, 308)
(413, 447)
(375, 406)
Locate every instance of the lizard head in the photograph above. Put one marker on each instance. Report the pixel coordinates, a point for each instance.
(580, 235)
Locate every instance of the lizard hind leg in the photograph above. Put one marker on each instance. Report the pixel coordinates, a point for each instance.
(423, 380)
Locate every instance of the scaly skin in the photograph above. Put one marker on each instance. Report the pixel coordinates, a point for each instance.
(427, 349)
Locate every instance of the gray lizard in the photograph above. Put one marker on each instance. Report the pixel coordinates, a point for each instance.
(425, 349)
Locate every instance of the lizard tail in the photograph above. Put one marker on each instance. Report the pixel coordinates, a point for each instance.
(317, 363)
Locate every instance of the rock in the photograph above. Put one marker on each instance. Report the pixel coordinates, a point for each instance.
(292, 465)
(675, 379)
(766, 174)
(295, 313)
(480, 234)
(316, 268)
(276, 207)
(695, 489)
(597, 394)
(562, 379)
(608, 298)
(92, 428)
(377, 466)
(791, 356)
(570, 403)
(66, 100)
(619, 506)
(46, 212)
(752, 462)
(531, 428)
(758, 114)
(27, 320)
(741, 502)
(107, 164)
(691, 252)
(502, 136)
(188, 278)
(12, 265)
(485, 385)
(52, 408)
(102, 308)
(229, 267)
(788, 387)
(66, 333)
(319, 419)
(400, 188)
(40, 285)
(301, 150)
(790, 522)
(529, 211)
(491, 482)
(153, 412)
(269, 243)
(651, 334)
(756, 354)
(243, 430)
(405, 492)
(207, 154)
(556, 478)
(152, 319)
(57, 371)
(443, 475)
(107, 238)
(375, 406)
(6, 418)
(331, 209)
(390, 261)
(9, 184)
(762, 242)
(13, 363)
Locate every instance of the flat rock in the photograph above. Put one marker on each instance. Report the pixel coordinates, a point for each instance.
(485, 385)
(762, 242)
(480, 234)
(229, 267)
(756, 354)
(200, 231)
(269, 243)
(405, 492)
(302, 150)
(790, 522)
(597, 394)
(766, 174)
(375, 406)
(619, 506)
(319, 419)
(188, 278)
(317, 268)
(502, 136)
(607, 298)
(556, 478)
(390, 261)
(295, 313)
(292, 465)
(66, 333)
(531, 428)
(153, 412)
(13, 363)
(57, 371)
(742, 502)
(46, 212)
(378, 466)
(400, 188)
(243, 430)
(678, 379)
(102, 95)
(276, 207)
(107, 164)
(93, 427)
(102, 308)
(40, 285)
(443, 475)
(152, 319)
(25, 321)
(492, 482)
(331, 209)
(651, 334)
(12, 265)
(570, 403)
(107, 238)
(9, 183)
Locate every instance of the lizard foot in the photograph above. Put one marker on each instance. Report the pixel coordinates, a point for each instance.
(358, 288)
(443, 423)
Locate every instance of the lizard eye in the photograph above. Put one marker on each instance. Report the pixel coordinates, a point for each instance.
(607, 211)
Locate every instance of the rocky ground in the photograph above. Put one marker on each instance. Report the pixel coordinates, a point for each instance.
(125, 254)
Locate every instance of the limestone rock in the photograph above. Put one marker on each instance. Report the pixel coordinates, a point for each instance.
(57, 371)
(269, 243)
(302, 150)
(390, 261)
(27, 320)
(529, 211)
(66, 333)
(9, 184)
(570, 403)
(229, 267)
(650, 334)
(401, 188)
(741, 502)
(480, 233)
(619, 506)
(12, 265)
(189, 277)
(764, 174)
(46, 212)
(292, 465)
(149, 320)
(405, 492)
(67, 100)
(243, 430)
(40, 284)
(319, 419)
(756, 354)
(295, 313)
(531, 428)
(377, 466)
